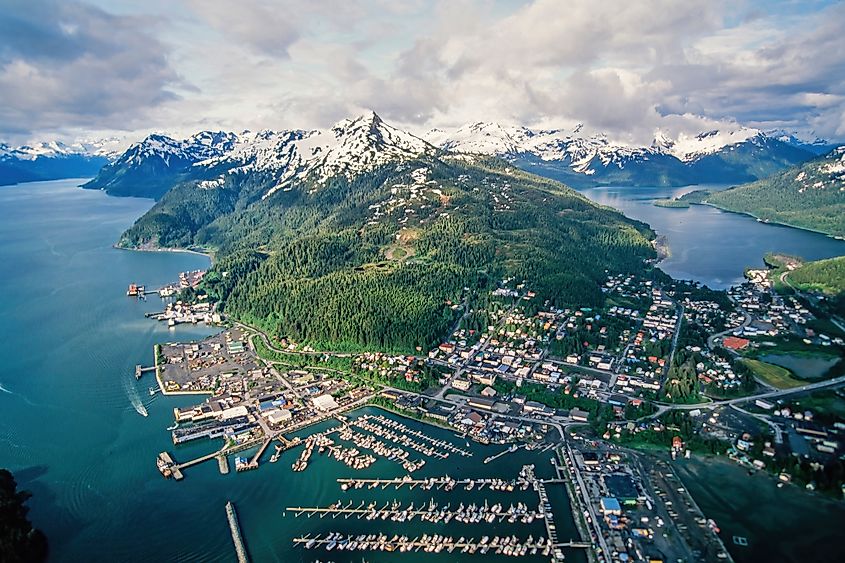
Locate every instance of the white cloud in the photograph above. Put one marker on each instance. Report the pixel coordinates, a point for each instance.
(627, 68)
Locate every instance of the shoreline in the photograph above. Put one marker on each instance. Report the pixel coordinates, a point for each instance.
(769, 222)
(173, 250)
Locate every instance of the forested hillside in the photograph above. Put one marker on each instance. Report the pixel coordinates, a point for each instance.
(810, 196)
(381, 260)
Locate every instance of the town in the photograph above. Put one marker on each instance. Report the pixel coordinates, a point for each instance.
(613, 396)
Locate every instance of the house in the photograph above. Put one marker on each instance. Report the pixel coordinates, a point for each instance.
(488, 392)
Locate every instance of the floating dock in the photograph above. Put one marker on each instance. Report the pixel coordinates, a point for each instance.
(428, 512)
(234, 527)
(446, 483)
(506, 545)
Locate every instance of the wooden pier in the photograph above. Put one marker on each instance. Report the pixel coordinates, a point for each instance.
(235, 529)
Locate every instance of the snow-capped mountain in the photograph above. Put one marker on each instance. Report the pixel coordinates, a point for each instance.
(50, 161)
(348, 148)
(352, 146)
(148, 168)
(730, 155)
(807, 142)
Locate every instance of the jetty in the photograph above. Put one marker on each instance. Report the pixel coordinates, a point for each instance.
(234, 527)
(223, 464)
(139, 370)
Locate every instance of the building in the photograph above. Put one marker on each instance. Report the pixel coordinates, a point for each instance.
(324, 402)
(578, 415)
(461, 384)
(277, 416)
(488, 392)
(481, 403)
(734, 343)
(610, 506)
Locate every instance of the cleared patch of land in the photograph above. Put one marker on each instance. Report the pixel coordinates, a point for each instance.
(773, 375)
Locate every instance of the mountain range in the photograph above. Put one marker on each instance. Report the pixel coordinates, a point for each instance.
(51, 161)
(734, 155)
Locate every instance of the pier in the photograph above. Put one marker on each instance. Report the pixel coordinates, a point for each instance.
(494, 457)
(223, 464)
(139, 370)
(505, 545)
(428, 512)
(447, 483)
(234, 527)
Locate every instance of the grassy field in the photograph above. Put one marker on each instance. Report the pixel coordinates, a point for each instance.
(773, 375)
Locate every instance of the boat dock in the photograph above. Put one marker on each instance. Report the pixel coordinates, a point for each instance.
(139, 370)
(234, 527)
(504, 545)
(446, 483)
(494, 457)
(551, 529)
(168, 467)
(427, 512)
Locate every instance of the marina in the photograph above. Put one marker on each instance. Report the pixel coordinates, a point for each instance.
(497, 545)
(427, 512)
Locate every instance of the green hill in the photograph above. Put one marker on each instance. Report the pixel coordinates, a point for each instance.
(377, 260)
(810, 196)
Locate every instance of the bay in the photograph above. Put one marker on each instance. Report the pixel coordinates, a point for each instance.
(709, 245)
(71, 432)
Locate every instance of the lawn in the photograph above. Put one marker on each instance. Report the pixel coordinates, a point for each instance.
(775, 376)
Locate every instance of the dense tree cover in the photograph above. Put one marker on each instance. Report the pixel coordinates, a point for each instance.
(19, 541)
(316, 264)
(822, 276)
(807, 196)
(553, 398)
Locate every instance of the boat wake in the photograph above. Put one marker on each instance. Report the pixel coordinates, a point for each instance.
(134, 398)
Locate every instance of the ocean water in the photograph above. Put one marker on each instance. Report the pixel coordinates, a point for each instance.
(709, 245)
(71, 432)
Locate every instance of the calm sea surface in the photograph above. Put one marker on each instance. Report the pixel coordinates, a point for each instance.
(71, 432)
(709, 245)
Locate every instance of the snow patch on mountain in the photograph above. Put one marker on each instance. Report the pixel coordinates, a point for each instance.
(583, 151)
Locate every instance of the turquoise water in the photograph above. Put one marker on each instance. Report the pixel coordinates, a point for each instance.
(70, 431)
(709, 245)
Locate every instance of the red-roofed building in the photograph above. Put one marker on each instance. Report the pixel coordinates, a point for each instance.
(735, 343)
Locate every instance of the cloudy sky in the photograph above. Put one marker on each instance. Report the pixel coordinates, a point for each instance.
(72, 69)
